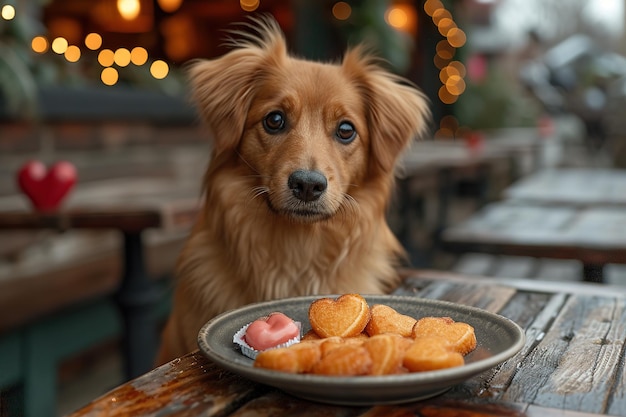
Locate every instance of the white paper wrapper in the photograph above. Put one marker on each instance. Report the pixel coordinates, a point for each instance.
(250, 352)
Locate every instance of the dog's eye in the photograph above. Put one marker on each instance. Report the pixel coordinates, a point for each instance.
(345, 132)
(274, 122)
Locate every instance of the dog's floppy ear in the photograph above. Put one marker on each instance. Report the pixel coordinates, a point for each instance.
(397, 111)
(223, 88)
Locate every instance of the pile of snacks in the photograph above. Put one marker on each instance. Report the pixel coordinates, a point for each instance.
(349, 338)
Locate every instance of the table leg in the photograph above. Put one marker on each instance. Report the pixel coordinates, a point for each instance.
(593, 272)
(137, 298)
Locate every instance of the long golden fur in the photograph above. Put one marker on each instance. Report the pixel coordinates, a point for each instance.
(298, 182)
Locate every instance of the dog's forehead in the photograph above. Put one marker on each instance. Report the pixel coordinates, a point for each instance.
(310, 78)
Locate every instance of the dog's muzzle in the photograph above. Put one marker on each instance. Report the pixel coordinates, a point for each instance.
(307, 185)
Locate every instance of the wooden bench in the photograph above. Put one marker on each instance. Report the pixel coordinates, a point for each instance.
(56, 300)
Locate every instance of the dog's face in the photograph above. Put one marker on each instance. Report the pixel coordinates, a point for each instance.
(311, 134)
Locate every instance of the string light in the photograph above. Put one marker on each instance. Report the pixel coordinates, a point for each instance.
(342, 10)
(7, 12)
(249, 5)
(169, 6)
(109, 76)
(72, 53)
(122, 57)
(451, 73)
(159, 69)
(138, 55)
(39, 44)
(93, 41)
(129, 9)
(59, 45)
(106, 57)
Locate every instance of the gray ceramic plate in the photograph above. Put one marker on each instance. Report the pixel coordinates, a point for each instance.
(498, 339)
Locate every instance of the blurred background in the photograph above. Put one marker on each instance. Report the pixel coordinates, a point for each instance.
(101, 83)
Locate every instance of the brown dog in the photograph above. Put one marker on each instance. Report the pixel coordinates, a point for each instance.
(300, 175)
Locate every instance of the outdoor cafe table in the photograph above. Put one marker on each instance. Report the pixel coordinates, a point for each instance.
(571, 365)
(131, 206)
(592, 235)
(572, 186)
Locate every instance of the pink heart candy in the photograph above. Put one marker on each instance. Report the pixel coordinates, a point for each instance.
(271, 331)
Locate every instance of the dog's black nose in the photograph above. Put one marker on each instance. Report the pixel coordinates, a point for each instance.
(307, 185)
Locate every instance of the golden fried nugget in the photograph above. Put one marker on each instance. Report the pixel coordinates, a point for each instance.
(297, 358)
(345, 316)
(460, 335)
(346, 360)
(429, 353)
(387, 351)
(387, 320)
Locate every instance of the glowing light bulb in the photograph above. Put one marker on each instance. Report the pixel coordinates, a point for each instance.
(159, 69)
(129, 9)
(93, 41)
(39, 44)
(7, 12)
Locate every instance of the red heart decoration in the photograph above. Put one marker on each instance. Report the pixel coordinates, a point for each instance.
(46, 188)
(271, 331)
(475, 141)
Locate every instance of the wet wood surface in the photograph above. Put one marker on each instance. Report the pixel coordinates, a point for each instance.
(572, 363)
(572, 186)
(592, 235)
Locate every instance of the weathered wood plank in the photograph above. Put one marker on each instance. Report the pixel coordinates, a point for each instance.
(470, 294)
(558, 372)
(177, 389)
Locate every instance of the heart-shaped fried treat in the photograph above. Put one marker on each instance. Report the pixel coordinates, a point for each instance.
(387, 320)
(429, 353)
(297, 359)
(271, 331)
(345, 360)
(387, 351)
(346, 316)
(461, 336)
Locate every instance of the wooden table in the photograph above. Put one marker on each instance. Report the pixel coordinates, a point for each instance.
(572, 186)
(433, 168)
(593, 235)
(572, 364)
(130, 206)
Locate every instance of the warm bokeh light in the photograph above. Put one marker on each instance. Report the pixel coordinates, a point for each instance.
(93, 41)
(39, 44)
(440, 14)
(109, 76)
(440, 62)
(72, 53)
(249, 5)
(455, 85)
(445, 96)
(122, 57)
(159, 69)
(129, 9)
(59, 45)
(449, 122)
(8, 12)
(456, 37)
(396, 17)
(459, 67)
(138, 55)
(342, 10)
(445, 50)
(106, 57)
(430, 6)
(445, 25)
(169, 6)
